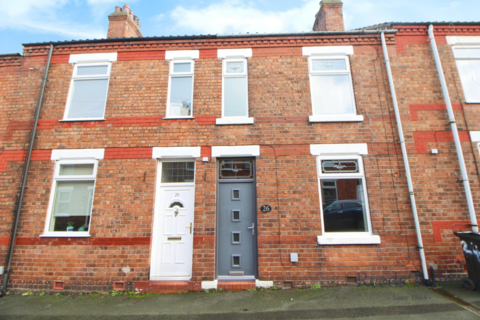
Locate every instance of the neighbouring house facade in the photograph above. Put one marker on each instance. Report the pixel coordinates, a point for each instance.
(190, 162)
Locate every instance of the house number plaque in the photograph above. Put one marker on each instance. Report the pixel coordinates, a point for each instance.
(265, 208)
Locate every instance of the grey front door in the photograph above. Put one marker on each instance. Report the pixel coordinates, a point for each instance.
(236, 219)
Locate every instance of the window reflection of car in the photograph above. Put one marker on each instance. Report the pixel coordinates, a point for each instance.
(344, 216)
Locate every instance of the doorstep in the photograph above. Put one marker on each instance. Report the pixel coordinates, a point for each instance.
(236, 285)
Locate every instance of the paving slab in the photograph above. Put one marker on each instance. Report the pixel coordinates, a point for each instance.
(472, 297)
(324, 303)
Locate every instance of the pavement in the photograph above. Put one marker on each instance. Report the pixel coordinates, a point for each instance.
(411, 302)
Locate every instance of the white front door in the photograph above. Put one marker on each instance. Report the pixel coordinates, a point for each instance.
(172, 244)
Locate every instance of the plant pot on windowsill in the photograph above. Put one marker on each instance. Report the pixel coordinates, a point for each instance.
(70, 226)
(82, 228)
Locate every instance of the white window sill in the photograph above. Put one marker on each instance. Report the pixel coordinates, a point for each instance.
(348, 239)
(234, 120)
(82, 119)
(173, 118)
(336, 118)
(472, 101)
(67, 234)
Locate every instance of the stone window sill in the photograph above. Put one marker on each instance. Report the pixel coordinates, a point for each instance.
(336, 118)
(348, 239)
(234, 120)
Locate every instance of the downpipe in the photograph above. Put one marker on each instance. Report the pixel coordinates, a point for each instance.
(24, 178)
(456, 138)
(405, 160)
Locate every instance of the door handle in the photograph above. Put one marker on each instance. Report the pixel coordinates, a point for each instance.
(191, 225)
(252, 228)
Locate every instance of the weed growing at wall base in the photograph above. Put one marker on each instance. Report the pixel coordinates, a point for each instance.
(400, 282)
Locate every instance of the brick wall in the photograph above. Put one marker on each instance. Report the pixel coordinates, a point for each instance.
(280, 102)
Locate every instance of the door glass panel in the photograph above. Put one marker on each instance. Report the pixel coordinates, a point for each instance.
(236, 215)
(236, 261)
(236, 169)
(176, 172)
(235, 194)
(235, 237)
(176, 203)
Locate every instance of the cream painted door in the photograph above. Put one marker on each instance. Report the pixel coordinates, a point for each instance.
(172, 243)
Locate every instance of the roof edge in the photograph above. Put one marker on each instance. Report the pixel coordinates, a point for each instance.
(254, 35)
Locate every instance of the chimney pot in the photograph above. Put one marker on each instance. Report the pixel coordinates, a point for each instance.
(118, 9)
(126, 8)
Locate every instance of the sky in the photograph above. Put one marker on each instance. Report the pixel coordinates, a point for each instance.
(30, 21)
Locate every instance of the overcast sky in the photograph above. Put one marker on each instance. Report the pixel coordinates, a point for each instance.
(27, 21)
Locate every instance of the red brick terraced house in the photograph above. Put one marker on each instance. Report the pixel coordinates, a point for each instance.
(179, 163)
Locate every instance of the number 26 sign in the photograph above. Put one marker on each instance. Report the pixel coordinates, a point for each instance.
(266, 208)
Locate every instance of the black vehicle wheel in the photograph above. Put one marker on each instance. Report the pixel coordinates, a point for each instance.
(469, 284)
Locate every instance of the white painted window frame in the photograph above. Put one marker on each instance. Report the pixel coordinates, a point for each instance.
(331, 52)
(459, 57)
(341, 117)
(234, 55)
(76, 77)
(56, 178)
(224, 120)
(180, 56)
(352, 151)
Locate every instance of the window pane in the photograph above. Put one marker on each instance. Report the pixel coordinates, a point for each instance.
(72, 205)
(182, 67)
(92, 70)
(181, 96)
(329, 65)
(332, 94)
(76, 169)
(235, 67)
(236, 169)
(173, 172)
(347, 214)
(340, 166)
(329, 188)
(467, 53)
(235, 97)
(88, 99)
(469, 71)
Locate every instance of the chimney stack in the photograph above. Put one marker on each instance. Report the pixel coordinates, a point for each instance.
(123, 23)
(329, 17)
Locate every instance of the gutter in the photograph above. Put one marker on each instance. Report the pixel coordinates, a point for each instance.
(458, 146)
(214, 36)
(405, 160)
(24, 178)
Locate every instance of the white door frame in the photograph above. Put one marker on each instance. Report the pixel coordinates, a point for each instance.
(157, 230)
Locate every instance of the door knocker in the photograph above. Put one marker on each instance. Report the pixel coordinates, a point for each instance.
(176, 211)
